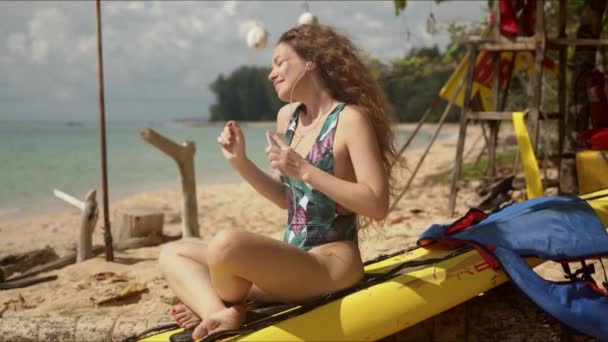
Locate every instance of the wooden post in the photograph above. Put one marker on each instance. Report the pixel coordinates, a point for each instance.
(87, 222)
(561, 89)
(102, 137)
(494, 125)
(535, 104)
(463, 130)
(184, 157)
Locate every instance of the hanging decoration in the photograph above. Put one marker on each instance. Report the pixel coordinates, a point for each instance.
(431, 24)
(307, 18)
(257, 37)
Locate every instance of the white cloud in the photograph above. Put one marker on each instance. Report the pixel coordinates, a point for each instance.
(17, 44)
(230, 7)
(163, 49)
(135, 6)
(40, 48)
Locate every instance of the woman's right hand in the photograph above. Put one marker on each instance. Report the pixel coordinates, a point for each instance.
(232, 142)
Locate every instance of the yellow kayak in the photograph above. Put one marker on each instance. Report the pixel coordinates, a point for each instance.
(398, 291)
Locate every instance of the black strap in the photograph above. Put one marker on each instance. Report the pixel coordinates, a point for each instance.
(584, 273)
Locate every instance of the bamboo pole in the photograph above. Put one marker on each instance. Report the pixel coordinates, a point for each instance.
(444, 116)
(102, 136)
(462, 130)
(418, 126)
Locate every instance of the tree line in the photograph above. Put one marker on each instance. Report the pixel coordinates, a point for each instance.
(410, 84)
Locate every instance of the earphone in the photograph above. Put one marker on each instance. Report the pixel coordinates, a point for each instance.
(298, 80)
(293, 190)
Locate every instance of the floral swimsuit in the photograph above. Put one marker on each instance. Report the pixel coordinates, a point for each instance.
(315, 219)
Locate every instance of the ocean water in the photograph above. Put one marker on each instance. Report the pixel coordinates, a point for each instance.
(37, 157)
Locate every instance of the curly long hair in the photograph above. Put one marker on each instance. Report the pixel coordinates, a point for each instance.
(348, 79)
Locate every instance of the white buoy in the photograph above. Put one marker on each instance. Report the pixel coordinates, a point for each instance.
(307, 18)
(257, 37)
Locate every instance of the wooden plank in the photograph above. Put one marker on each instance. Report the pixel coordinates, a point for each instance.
(577, 42)
(506, 116)
(496, 116)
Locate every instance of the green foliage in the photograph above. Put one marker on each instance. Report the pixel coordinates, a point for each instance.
(471, 171)
(411, 84)
(400, 5)
(246, 94)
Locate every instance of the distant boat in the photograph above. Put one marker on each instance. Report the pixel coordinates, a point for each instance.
(74, 124)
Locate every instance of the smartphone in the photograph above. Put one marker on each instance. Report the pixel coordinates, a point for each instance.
(271, 142)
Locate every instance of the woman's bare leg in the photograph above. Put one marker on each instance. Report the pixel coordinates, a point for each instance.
(236, 259)
(183, 264)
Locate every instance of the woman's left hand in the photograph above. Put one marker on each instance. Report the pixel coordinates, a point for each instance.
(285, 159)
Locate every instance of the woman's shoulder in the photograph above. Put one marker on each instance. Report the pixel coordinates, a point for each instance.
(353, 116)
(284, 116)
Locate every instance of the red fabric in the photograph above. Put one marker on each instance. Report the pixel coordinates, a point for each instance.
(508, 18)
(472, 217)
(595, 288)
(598, 100)
(595, 139)
(488, 257)
(529, 17)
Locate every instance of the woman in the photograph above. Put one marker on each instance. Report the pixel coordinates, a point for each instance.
(333, 167)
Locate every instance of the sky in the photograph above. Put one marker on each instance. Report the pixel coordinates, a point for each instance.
(161, 56)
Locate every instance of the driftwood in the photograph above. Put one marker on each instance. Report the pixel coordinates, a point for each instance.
(14, 284)
(19, 263)
(183, 155)
(53, 265)
(87, 223)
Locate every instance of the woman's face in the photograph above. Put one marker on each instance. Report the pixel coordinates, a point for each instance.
(287, 67)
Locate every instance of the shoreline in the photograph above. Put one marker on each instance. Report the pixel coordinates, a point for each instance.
(52, 205)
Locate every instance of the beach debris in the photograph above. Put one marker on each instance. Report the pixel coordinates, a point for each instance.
(183, 155)
(416, 211)
(400, 219)
(23, 282)
(90, 214)
(110, 276)
(52, 265)
(137, 222)
(16, 263)
(492, 196)
(131, 291)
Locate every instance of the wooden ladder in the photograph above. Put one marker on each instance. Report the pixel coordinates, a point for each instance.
(497, 44)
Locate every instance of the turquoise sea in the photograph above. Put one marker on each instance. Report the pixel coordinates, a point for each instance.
(39, 156)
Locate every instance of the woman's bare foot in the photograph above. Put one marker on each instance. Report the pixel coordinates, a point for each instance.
(229, 318)
(185, 317)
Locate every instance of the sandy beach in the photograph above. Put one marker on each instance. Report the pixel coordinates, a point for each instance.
(80, 287)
